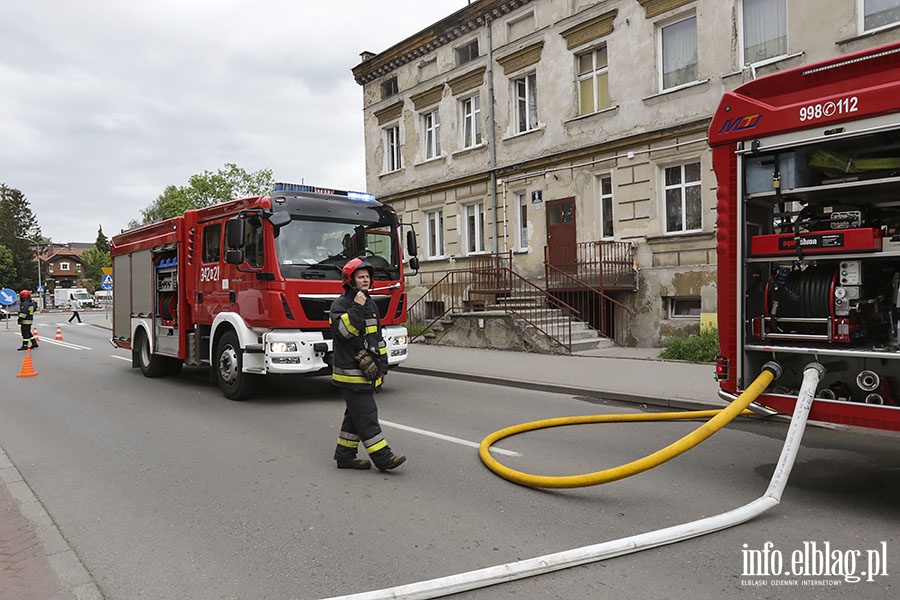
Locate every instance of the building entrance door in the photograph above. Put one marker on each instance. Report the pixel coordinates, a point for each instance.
(561, 245)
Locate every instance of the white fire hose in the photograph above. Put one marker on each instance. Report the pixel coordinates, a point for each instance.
(454, 584)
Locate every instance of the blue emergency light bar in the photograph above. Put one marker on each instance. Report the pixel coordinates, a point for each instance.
(300, 187)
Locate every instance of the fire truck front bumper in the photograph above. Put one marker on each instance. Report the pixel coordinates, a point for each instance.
(294, 351)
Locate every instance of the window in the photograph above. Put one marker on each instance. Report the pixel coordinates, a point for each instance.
(765, 29)
(880, 13)
(64, 266)
(212, 243)
(253, 242)
(49, 267)
(431, 124)
(389, 88)
(684, 308)
(474, 214)
(682, 192)
(593, 81)
(604, 186)
(392, 158)
(78, 267)
(467, 53)
(471, 116)
(434, 232)
(526, 103)
(522, 220)
(679, 53)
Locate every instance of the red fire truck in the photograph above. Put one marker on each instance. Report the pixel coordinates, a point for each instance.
(808, 232)
(245, 287)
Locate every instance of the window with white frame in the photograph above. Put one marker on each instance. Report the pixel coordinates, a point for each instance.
(522, 220)
(682, 198)
(64, 266)
(765, 29)
(49, 267)
(684, 308)
(474, 216)
(431, 127)
(526, 102)
(605, 191)
(879, 13)
(392, 157)
(78, 267)
(679, 53)
(434, 233)
(593, 81)
(471, 118)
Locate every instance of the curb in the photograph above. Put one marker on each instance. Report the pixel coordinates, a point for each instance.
(69, 570)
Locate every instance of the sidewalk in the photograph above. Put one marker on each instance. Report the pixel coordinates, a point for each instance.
(623, 374)
(36, 562)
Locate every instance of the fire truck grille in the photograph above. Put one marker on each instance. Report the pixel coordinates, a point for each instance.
(317, 309)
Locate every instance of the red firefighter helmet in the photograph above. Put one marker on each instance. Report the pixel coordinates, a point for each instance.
(353, 265)
(24, 294)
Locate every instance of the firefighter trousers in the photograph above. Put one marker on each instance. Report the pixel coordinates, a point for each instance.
(361, 425)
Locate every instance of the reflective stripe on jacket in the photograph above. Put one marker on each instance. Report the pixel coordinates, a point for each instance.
(26, 311)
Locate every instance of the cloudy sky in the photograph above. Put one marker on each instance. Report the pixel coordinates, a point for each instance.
(104, 103)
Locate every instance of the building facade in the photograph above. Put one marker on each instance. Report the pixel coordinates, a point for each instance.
(524, 125)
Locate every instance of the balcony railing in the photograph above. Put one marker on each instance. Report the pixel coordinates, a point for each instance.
(604, 265)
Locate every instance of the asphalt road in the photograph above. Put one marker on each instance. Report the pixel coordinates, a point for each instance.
(165, 489)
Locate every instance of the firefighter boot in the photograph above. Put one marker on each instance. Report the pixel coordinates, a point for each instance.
(24, 346)
(34, 344)
(386, 460)
(345, 454)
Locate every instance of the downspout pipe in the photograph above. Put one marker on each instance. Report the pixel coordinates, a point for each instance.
(492, 136)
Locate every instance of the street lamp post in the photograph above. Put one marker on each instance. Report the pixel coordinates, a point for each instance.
(37, 245)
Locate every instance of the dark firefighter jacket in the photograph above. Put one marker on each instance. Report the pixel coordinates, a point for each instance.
(354, 327)
(26, 311)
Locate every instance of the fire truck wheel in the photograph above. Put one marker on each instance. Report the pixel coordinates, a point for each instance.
(151, 365)
(235, 384)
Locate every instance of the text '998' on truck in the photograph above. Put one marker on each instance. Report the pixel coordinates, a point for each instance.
(245, 287)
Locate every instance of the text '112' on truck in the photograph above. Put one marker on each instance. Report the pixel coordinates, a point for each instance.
(808, 235)
(245, 287)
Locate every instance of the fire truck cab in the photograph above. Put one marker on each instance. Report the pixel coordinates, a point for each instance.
(245, 287)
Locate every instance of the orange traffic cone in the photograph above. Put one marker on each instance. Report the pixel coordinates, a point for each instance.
(58, 333)
(36, 338)
(27, 367)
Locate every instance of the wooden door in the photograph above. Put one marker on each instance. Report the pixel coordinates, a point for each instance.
(561, 245)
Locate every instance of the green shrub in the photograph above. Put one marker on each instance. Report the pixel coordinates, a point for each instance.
(700, 347)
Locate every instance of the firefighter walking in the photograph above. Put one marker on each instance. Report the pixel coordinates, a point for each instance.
(360, 365)
(27, 308)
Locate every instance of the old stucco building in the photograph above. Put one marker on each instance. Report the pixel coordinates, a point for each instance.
(514, 122)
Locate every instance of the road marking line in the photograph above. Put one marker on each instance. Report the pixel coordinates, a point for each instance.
(128, 358)
(446, 438)
(65, 344)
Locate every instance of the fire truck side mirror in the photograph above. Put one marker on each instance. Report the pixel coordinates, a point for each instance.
(280, 219)
(411, 248)
(234, 234)
(234, 257)
(414, 264)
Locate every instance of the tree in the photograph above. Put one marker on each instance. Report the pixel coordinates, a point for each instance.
(94, 260)
(7, 269)
(205, 190)
(102, 243)
(18, 222)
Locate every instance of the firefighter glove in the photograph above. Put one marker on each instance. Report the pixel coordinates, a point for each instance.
(367, 364)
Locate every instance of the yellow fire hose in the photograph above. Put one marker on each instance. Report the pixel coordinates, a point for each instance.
(719, 418)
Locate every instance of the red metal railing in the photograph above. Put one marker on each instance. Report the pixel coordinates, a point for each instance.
(603, 265)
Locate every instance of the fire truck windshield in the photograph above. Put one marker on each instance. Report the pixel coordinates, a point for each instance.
(319, 249)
